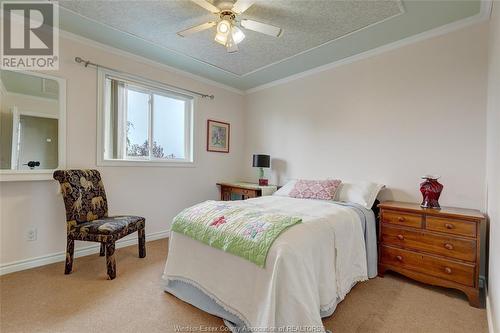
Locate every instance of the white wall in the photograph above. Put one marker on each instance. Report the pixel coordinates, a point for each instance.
(157, 193)
(389, 118)
(493, 167)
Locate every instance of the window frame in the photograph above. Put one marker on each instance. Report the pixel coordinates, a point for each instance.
(151, 87)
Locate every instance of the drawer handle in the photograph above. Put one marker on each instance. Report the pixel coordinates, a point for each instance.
(449, 226)
(448, 246)
(447, 270)
(399, 258)
(401, 219)
(401, 237)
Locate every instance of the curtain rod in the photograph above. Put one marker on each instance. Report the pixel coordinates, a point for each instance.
(87, 63)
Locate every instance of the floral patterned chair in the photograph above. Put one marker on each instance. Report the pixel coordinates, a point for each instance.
(87, 217)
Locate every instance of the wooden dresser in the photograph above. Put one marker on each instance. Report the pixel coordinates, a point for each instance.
(435, 246)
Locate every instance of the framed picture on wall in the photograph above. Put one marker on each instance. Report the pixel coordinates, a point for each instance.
(218, 136)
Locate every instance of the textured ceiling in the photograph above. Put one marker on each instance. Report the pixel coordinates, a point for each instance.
(165, 17)
(306, 24)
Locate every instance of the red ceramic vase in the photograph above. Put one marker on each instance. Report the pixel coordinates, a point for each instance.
(431, 190)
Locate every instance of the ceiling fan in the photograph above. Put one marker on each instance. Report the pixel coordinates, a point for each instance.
(228, 32)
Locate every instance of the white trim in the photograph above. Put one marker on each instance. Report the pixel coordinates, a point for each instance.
(37, 98)
(102, 74)
(145, 163)
(489, 315)
(20, 265)
(26, 175)
(14, 138)
(147, 61)
(483, 15)
(46, 174)
(37, 114)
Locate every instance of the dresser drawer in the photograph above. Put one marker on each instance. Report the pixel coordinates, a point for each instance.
(441, 268)
(399, 218)
(451, 226)
(245, 192)
(449, 246)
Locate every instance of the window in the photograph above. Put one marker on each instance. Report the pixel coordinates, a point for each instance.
(143, 121)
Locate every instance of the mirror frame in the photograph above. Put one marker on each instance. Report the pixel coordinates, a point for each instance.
(44, 174)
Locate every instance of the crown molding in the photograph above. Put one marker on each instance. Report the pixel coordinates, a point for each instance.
(144, 60)
(149, 42)
(484, 15)
(206, 63)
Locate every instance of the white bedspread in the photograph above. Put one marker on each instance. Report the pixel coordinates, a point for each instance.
(309, 267)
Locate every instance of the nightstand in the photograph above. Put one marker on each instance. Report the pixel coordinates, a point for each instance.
(244, 190)
(434, 246)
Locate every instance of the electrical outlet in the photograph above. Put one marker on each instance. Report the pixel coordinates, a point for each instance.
(31, 234)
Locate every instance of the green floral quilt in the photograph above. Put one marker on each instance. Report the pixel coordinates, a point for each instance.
(237, 229)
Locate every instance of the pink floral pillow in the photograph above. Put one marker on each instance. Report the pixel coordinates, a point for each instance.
(315, 189)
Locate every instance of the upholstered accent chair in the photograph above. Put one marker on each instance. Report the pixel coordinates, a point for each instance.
(87, 217)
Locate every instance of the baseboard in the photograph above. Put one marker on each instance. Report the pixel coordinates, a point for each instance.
(489, 315)
(20, 265)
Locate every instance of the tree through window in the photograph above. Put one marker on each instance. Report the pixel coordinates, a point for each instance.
(147, 123)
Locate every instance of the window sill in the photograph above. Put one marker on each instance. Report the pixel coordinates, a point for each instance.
(137, 163)
(26, 175)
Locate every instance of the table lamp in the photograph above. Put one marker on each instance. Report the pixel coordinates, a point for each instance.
(261, 162)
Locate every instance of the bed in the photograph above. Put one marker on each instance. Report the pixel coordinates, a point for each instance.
(309, 269)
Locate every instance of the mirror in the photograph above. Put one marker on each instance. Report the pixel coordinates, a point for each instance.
(31, 124)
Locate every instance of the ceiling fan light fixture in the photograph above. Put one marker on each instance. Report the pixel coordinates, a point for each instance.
(228, 25)
(231, 45)
(221, 38)
(223, 27)
(237, 34)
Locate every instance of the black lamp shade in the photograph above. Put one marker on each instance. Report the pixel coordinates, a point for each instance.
(261, 161)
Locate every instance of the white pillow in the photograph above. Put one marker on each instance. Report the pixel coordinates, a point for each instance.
(285, 190)
(362, 193)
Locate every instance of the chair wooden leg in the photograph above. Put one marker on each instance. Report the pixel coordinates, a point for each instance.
(141, 233)
(102, 250)
(110, 260)
(70, 249)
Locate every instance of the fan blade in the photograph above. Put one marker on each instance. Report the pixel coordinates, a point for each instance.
(263, 28)
(207, 5)
(197, 28)
(241, 5)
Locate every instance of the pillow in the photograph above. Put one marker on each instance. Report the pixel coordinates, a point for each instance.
(362, 193)
(315, 189)
(285, 190)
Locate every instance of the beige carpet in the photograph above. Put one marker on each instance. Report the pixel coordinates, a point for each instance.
(45, 300)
